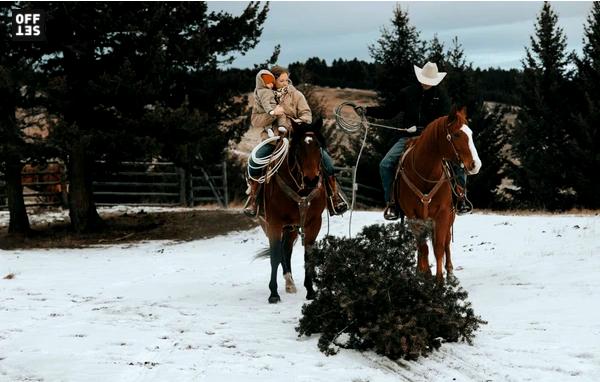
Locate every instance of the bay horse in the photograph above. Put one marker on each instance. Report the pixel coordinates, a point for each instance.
(293, 202)
(422, 187)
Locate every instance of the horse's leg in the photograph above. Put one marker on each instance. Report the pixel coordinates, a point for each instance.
(449, 266)
(423, 258)
(275, 244)
(289, 238)
(311, 231)
(440, 241)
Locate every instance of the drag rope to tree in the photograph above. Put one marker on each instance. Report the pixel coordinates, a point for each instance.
(353, 127)
(276, 158)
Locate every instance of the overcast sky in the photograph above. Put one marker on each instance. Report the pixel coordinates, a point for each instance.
(493, 34)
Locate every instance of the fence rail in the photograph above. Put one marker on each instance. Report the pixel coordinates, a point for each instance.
(128, 183)
(365, 195)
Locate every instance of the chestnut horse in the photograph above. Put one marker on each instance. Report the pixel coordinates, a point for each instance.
(423, 189)
(293, 202)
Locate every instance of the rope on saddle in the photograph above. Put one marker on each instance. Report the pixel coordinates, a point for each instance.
(275, 159)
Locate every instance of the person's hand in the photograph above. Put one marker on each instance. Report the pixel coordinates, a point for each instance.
(282, 131)
(412, 129)
(270, 133)
(278, 110)
(360, 110)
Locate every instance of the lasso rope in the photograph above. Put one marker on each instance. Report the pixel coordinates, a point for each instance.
(351, 127)
(276, 158)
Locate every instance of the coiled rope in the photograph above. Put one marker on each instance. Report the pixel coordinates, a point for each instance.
(276, 158)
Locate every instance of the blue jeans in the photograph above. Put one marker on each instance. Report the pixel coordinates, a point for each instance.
(461, 175)
(389, 163)
(266, 150)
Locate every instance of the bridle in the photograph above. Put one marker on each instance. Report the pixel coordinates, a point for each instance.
(302, 201)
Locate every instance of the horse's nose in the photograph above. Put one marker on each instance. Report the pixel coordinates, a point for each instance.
(311, 182)
(474, 167)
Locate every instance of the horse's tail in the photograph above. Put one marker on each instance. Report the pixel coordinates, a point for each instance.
(263, 253)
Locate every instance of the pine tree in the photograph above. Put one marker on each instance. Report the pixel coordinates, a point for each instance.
(540, 137)
(395, 53)
(16, 70)
(586, 126)
(133, 79)
(435, 53)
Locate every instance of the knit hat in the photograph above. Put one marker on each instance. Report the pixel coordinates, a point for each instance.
(268, 78)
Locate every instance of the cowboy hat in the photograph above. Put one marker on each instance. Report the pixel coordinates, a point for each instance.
(429, 74)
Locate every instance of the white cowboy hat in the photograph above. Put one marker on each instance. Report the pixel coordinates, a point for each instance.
(429, 74)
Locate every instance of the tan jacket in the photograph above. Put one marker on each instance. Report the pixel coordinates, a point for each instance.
(295, 106)
(264, 102)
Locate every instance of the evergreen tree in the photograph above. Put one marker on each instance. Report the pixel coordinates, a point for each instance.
(132, 79)
(586, 126)
(395, 53)
(16, 72)
(490, 132)
(435, 53)
(541, 135)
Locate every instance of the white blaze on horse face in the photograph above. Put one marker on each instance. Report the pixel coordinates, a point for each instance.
(308, 140)
(473, 149)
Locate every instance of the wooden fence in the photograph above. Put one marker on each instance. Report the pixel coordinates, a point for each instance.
(160, 183)
(365, 195)
(129, 183)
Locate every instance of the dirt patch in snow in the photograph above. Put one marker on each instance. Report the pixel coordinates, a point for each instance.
(133, 227)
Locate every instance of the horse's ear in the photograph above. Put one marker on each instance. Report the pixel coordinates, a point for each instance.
(317, 124)
(457, 111)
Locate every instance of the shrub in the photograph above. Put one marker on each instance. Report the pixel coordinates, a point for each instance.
(370, 296)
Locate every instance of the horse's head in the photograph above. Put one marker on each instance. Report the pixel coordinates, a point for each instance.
(306, 141)
(460, 138)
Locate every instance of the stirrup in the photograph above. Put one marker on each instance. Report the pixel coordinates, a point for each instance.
(250, 210)
(337, 209)
(391, 212)
(464, 206)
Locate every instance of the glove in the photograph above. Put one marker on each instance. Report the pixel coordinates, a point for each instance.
(361, 110)
(412, 129)
(282, 130)
(270, 133)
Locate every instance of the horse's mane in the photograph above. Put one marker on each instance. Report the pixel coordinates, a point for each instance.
(298, 131)
(455, 117)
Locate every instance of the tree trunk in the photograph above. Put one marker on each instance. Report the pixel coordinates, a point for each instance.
(82, 208)
(19, 222)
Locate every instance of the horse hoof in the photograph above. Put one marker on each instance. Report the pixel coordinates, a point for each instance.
(290, 287)
(274, 299)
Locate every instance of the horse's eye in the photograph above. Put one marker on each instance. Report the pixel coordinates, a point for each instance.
(456, 135)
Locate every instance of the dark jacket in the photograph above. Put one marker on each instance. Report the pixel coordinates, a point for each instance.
(418, 107)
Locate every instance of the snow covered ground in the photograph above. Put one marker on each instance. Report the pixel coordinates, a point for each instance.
(197, 311)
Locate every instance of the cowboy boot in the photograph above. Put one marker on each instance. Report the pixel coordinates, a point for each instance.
(336, 204)
(251, 207)
(463, 205)
(393, 212)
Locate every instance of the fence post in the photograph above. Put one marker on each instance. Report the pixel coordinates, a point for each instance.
(182, 198)
(225, 191)
(63, 186)
(191, 202)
